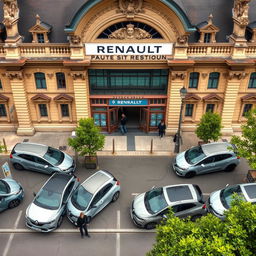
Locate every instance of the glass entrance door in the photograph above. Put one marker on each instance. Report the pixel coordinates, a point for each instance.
(112, 119)
(144, 119)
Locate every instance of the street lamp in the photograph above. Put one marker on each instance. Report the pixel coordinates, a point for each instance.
(183, 93)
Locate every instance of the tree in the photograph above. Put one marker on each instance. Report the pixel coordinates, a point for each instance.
(88, 139)
(235, 236)
(246, 144)
(209, 127)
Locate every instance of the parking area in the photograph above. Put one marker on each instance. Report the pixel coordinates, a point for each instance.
(112, 231)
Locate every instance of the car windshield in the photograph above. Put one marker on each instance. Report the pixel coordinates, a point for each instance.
(194, 155)
(54, 156)
(226, 195)
(155, 201)
(48, 199)
(81, 198)
(4, 188)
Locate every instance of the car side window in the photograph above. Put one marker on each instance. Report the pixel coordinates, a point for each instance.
(27, 157)
(106, 189)
(183, 207)
(222, 157)
(164, 212)
(68, 191)
(96, 198)
(40, 161)
(208, 160)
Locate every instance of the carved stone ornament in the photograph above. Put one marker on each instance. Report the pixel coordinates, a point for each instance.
(11, 11)
(240, 11)
(182, 39)
(75, 39)
(14, 75)
(204, 75)
(78, 75)
(28, 75)
(130, 7)
(130, 32)
(178, 75)
(50, 75)
(236, 75)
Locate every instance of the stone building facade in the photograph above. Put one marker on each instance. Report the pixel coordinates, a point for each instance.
(129, 56)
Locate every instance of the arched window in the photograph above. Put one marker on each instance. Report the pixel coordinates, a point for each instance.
(193, 80)
(252, 82)
(213, 80)
(40, 80)
(137, 25)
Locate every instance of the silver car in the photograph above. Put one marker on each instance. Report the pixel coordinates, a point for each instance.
(220, 201)
(211, 157)
(93, 195)
(11, 193)
(149, 208)
(46, 211)
(41, 158)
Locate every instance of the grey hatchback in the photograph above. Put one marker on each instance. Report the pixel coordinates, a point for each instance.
(211, 157)
(41, 158)
(149, 208)
(11, 193)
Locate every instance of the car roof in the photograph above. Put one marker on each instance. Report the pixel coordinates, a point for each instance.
(94, 182)
(180, 192)
(216, 147)
(249, 191)
(57, 182)
(33, 148)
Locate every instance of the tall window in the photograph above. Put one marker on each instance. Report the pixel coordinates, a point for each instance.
(64, 110)
(193, 80)
(40, 80)
(1, 87)
(213, 80)
(252, 82)
(61, 82)
(43, 110)
(40, 38)
(210, 107)
(189, 110)
(247, 107)
(207, 37)
(2, 110)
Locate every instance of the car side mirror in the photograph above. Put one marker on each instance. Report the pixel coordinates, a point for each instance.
(227, 185)
(153, 187)
(46, 166)
(93, 206)
(165, 216)
(34, 194)
(202, 165)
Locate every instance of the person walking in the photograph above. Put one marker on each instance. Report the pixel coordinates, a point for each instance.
(82, 222)
(161, 128)
(123, 124)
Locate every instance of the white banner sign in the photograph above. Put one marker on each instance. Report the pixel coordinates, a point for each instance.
(128, 49)
(6, 170)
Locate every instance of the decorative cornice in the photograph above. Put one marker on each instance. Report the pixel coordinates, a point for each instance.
(236, 75)
(78, 75)
(212, 97)
(249, 97)
(178, 75)
(192, 97)
(12, 75)
(41, 97)
(3, 98)
(63, 97)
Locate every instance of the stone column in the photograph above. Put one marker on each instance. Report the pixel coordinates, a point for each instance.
(176, 82)
(81, 90)
(230, 99)
(20, 99)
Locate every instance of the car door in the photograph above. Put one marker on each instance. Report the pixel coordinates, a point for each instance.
(206, 165)
(221, 161)
(106, 194)
(28, 161)
(42, 166)
(96, 204)
(184, 210)
(3, 204)
(67, 194)
(160, 216)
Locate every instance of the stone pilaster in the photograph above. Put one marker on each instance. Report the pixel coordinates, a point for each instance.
(25, 126)
(176, 82)
(229, 106)
(81, 90)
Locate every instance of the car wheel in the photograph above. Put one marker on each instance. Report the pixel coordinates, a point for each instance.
(230, 168)
(14, 203)
(60, 221)
(190, 174)
(195, 217)
(18, 166)
(150, 225)
(115, 196)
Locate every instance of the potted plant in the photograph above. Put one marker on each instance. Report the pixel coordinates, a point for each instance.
(209, 127)
(87, 141)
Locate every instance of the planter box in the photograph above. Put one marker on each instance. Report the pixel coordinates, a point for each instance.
(251, 176)
(91, 162)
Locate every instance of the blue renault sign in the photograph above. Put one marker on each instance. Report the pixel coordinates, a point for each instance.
(128, 102)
